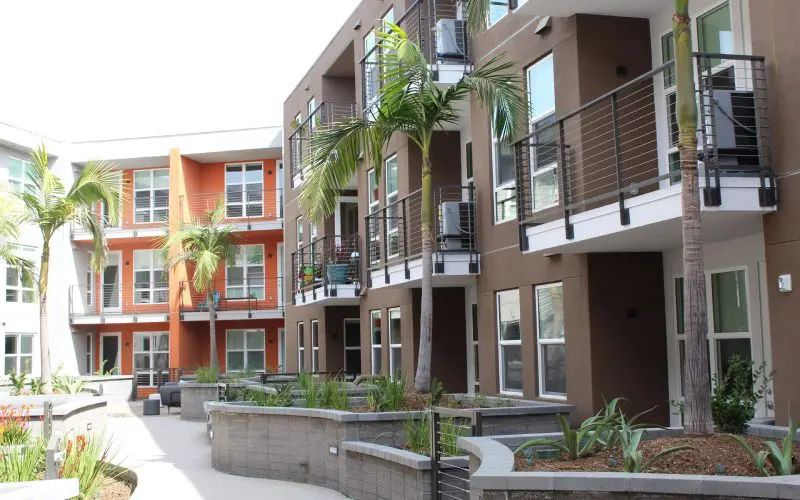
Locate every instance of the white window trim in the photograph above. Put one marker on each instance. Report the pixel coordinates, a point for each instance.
(311, 107)
(281, 350)
(541, 342)
(246, 285)
(150, 210)
(299, 231)
(501, 343)
(392, 368)
(89, 337)
(375, 349)
(512, 184)
(151, 352)
(373, 205)
(18, 364)
(244, 203)
(90, 286)
(314, 346)
(245, 350)
(19, 288)
(301, 348)
(391, 197)
(533, 120)
(371, 58)
(150, 256)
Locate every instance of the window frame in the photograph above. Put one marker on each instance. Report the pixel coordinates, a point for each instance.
(19, 288)
(373, 206)
(151, 353)
(502, 343)
(19, 355)
(311, 108)
(301, 347)
(245, 349)
(314, 346)
(392, 362)
(375, 349)
(151, 209)
(151, 289)
(508, 185)
(392, 213)
(21, 184)
(540, 342)
(245, 204)
(246, 285)
(670, 92)
(534, 121)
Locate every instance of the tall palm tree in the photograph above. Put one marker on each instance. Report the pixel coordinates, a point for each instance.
(410, 103)
(45, 203)
(205, 243)
(697, 416)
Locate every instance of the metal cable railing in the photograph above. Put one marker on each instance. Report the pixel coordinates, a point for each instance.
(326, 263)
(247, 294)
(449, 464)
(249, 205)
(325, 115)
(625, 143)
(142, 212)
(115, 300)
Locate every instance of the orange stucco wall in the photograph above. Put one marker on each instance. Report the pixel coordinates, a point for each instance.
(126, 331)
(200, 337)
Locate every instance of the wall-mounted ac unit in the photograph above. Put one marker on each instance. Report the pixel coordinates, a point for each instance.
(735, 130)
(457, 231)
(451, 39)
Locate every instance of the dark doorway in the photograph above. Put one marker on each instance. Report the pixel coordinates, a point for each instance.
(352, 346)
(109, 353)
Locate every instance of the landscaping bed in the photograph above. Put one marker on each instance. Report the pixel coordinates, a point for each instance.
(712, 455)
(115, 489)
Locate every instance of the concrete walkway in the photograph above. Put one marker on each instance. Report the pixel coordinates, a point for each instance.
(172, 459)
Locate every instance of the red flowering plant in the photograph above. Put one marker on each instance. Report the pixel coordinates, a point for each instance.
(15, 425)
(87, 458)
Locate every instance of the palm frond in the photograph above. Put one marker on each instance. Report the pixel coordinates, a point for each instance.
(477, 15)
(88, 220)
(99, 181)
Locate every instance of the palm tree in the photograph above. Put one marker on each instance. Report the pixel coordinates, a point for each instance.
(45, 203)
(205, 243)
(697, 416)
(9, 232)
(410, 103)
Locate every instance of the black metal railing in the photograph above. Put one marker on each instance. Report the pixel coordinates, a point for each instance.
(325, 115)
(324, 264)
(438, 27)
(625, 143)
(248, 294)
(449, 464)
(394, 236)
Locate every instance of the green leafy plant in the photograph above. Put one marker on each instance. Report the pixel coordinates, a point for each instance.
(779, 457)
(736, 393)
(417, 432)
(87, 458)
(17, 381)
(387, 394)
(437, 392)
(36, 385)
(574, 444)
(25, 465)
(334, 395)
(206, 375)
(309, 389)
(102, 372)
(449, 432)
(15, 425)
(68, 384)
(633, 460)
(282, 398)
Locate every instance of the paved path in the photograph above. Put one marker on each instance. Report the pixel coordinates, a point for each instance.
(172, 459)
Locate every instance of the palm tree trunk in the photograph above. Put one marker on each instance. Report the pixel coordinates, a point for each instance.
(44, 330)
(697, 390)
(212, 328)
(422, 381)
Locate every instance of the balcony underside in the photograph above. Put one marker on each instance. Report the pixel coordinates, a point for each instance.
(566, 8)
(329, 295)
(119, 318)
(233, 315)
(268, 225)
(450, 269)
(655, 222)
(120, 233)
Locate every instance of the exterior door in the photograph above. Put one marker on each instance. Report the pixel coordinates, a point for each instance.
(280, 274)
(279, 192)
(112, 283)
(352, 346)
(109, 352)
(281, 350)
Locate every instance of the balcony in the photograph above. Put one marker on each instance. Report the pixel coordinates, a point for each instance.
(249, 210)
(254, 297)
(95, 305)
(146, 218)
(327, 271)
(325, 115)
(439, 28)
(606, 177)
(567, 8)
(394, 240)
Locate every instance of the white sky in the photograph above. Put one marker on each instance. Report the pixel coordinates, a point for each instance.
(94, 69)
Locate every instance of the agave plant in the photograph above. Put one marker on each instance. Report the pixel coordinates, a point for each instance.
(575, 443)
(630, 436)
(779, 457)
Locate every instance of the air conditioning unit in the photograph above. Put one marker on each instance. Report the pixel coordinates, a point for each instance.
(734, 129)
(457, 231)
(451, 39)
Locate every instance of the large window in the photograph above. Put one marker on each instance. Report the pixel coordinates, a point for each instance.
(544, 144)
(150, 286)
(505, 181)
(314, 346)
(714, 33)
(151, 196)
(246, 276)
(373, 204)
(395, 343)
(312, 107)
(19, 172)
(244, 190)
(498, 10)
(244, 350)
(670, 96)
(150, 353)
(392, 210)
(371, 72)
(510, 343)
(19, 352)
(19, 286)
(376, 340)
(551, 348)
(301, 347)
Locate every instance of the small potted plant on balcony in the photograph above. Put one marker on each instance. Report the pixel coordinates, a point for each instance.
(339, 268)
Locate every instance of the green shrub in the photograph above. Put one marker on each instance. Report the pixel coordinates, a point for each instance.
(68, 384)
(417, 432)
(87, 458)
(206, 375)
(27, 465)
(387, 394)
(334, 395)
(36, 385)
(736, 393)
(779, 457)
(309, 387)
(17, 381)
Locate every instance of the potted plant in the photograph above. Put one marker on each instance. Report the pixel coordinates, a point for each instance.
(339, 268)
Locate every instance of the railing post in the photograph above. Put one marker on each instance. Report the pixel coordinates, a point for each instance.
(313, 270)
(435, 456)
(325, 263)
(766, 194)
(712, 195)
(47, 419)
(568, 229)
(385, 244)
(624, 213)
(473, 233)
(404, 219)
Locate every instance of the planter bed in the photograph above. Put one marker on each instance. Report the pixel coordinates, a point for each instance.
(195, 394)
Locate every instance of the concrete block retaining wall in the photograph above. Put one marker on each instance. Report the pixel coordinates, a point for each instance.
(115, 387)
(193, 397)
(72, 414)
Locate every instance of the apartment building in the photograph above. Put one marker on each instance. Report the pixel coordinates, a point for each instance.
(558, 261)
(130, 318)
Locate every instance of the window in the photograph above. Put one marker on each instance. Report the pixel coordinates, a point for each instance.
(314, 346)
(299, 231)
(552, 349)
(498, 10)
(395, 343)
(714, 33)
(352, 346)
(19, 287)
(313, 118)
(475, 349)
(281, 350)
(301, 348)
(244, 350)
(668, 54)
(19, 174)
(150, 286)
(19, 352)
(544, 145)
(375, 336)
(510, 343)
(150, 353)
(373, 203)
(371, 73)
(151, 196)
(313, 227)
(89, 353)
(505, 182)
(468, 155)
(392, 210)
(673, 157)
(89, 288)
(244, 190)
(388, 18)
(246, 276)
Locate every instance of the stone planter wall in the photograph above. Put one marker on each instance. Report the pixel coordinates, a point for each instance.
(72, 414)
(115, 387)
(193, 396)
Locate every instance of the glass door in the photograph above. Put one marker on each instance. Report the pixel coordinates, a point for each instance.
(352, 346)
(112, 283)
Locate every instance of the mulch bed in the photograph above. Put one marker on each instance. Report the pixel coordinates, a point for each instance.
(416, 401)
(115, 490)
(710, 451)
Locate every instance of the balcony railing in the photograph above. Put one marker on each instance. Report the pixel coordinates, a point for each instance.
(142, 213)
(325, 115)
(250, 294)
(624, 143)
(394, 235)
(116, 300)
(438, 27)
(248, 207)
(326, 263)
